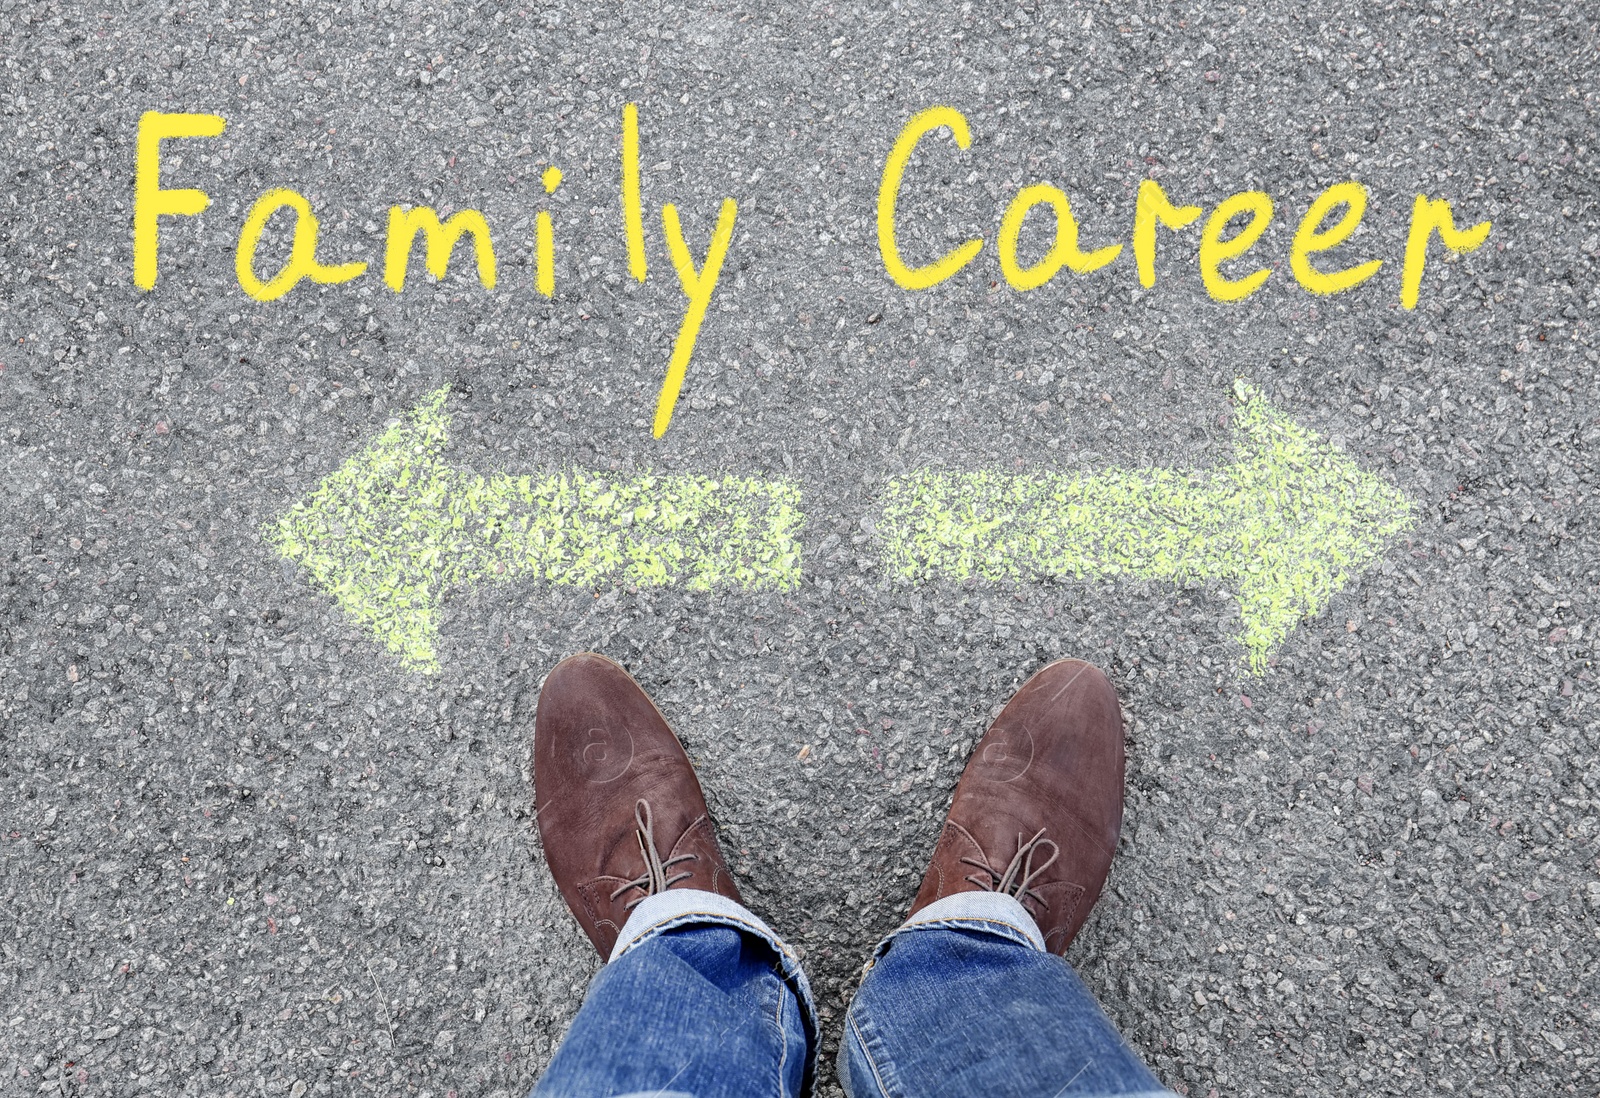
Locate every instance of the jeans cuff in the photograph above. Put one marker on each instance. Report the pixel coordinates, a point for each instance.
(990, 912)
(690, 907)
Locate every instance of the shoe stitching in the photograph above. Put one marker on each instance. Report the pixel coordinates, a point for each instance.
(1066, 920)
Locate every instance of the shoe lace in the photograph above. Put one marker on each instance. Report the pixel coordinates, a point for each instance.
(654, 879)
(1018, 877)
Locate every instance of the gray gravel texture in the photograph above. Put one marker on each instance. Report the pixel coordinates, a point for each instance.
(244, 853)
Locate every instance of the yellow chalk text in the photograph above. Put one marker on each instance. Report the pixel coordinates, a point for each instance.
(1345, 203)
(1311, 238)
(632, 206)
(1430, 216)
(1215, 251)
(150, 201)
(1151, 209)
(697, 287)
(544, 235)
(302, 262)
(894, 170)
(439, 242)
(1064, 252)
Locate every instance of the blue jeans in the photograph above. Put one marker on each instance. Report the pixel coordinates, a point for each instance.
(701, 999)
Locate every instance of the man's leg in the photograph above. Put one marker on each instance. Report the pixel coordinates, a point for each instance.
(699, 997)
(968, 1003)
(970, 996)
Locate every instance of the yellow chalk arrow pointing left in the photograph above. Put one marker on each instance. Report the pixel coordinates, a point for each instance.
(395, 526)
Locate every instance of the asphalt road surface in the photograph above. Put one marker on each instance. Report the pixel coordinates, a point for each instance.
(248, 850)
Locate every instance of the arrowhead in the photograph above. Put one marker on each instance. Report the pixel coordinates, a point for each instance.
(378, 534)
(1308, 518)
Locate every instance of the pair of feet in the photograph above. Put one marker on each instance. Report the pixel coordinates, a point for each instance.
(1036, 814)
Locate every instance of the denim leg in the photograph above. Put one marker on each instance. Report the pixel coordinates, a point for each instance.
(694, 1004)
(967, 1002)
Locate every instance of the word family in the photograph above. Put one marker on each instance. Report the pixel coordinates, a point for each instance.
(439, 237)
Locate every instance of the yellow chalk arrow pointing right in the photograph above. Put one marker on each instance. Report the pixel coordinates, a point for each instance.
(1288, 522)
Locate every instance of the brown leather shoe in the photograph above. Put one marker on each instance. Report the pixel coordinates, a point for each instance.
(619, 809)
(1039, 807)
